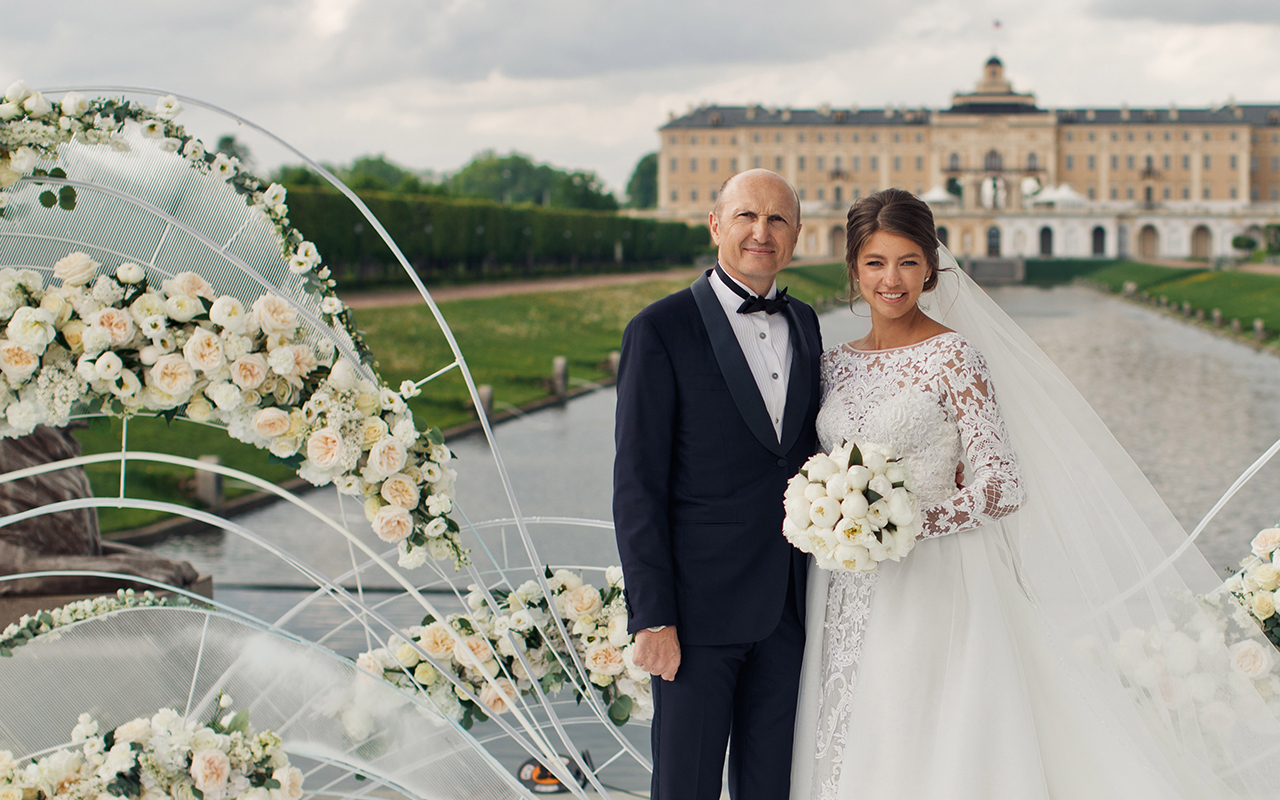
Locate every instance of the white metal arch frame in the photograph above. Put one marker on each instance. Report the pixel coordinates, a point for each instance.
(577, 672)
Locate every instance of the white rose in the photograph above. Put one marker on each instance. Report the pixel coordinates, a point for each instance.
(290, 779)
(613, 576)
(32, 327)
(248, 372)
(198, 410)
(392, 523)
(17, 362)
(583, 601)
(522, 620)
(76, 269)
(342, 375)
(825, 512)
(881, 486)
(617, 631)
(324, 448)
(387, 456)
(274, 195)
(182, 308)
(229, 313)
(117, 322)
(168, 107)
(172, 375)
(274, 315)
(148, 304)
(819, 468)
(203, 351)
(497, 696)
(188, 283)
(1265, 575)
(226, 395)
(17, 92)
(901, 508)
(859, 477)
(1263, 604)
(1266, 541)
(9, 111)
(878, 514)
(854, 505)
(838, 485)
(138, 730)
(94, 340)
(1252, 659)
(331, 305)
(400, 490)
(130, 273)
(108, 366)
(36, 105)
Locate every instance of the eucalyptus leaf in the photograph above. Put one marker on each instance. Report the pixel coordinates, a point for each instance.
(48, 199)
(620, 710)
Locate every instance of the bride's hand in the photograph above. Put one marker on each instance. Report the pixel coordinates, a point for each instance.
(658, 652)
(960, 475)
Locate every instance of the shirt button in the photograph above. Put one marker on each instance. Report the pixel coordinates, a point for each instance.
(763, 335)
(782, 462)
(775, 376)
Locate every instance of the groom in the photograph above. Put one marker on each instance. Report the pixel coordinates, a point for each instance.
(717, 396)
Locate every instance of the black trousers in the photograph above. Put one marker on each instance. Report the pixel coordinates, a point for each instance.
(742, 696)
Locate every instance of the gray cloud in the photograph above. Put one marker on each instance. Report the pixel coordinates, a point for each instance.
(1193, 11)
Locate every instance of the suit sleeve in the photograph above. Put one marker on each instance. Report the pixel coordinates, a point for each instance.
(643, 436)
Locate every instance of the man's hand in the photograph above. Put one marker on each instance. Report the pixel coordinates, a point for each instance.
(658, 653)
(960, 475)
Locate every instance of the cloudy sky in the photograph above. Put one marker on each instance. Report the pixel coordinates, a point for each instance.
(585, 83)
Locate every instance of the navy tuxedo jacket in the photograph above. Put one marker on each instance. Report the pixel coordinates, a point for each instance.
(699, 473)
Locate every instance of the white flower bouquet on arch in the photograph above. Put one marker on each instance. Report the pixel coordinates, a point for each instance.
(853, 508)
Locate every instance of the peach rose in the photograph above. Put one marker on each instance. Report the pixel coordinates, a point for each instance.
(115, 322)
(17, 362)
(1251, 659)
(604, 659)
(583, 601)
(437, 641)
(204, 351)
(1266, 541)
(210, 769)
(324, 448)
(400, 490)
(248, 372)
(498, 696)
(172, 375)
(274, 315)
(472, 651)
(270, 423)
(388, 456)
(188, 283)
(374, 429)
(392, 523)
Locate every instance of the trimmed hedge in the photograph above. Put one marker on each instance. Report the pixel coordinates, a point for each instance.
(1050, 271)
(450, 239)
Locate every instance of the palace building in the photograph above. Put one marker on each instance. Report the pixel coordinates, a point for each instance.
(1003, 176)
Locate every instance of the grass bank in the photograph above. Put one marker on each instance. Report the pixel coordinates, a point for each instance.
(508, 342)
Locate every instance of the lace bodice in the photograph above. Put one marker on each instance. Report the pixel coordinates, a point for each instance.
(929, 401)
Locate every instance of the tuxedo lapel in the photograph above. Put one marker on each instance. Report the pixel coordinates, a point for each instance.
(734, 368)
(797, 382)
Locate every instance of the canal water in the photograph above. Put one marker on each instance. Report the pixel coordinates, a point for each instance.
(1193, 409)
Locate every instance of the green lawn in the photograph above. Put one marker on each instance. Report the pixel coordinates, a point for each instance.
(1146, 276)
(508, 342)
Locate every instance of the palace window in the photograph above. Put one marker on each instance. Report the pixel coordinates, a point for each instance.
(1129, 193)
(693, 195)
(693, 165)
(1166, 193)
(675, 164)
(875, 163)
(992, 161)
(777, 163)
(800, 163)
(919, 138)
(954, 161)
(1129, 161)
(714, 140)
(856, 138)
(777, 138)
(1166, 161)
(1131, 136)
(1115, 193)
(800, 137)
(1253, 195)
(919, 163)
(1093, 192)
(1148, 163)
(733, 165)
(1233, 136)
(1186, 162)
(712, 195)
(1275, 193)
(715, 164)
(1166, 136)
(1148, 136)
(755, 137)
(897, 137)
(875, 137)
(801, 192)
(675, 140)
(755, 162)
(693, 140)
(1206, 193)
(1033, 161)
(1233, 193)
(675, 196)
(836, 138)
(1233, 162)
(1071, 162)
(1091, 136)
(733, 140)
(1208, 136)
(1093, 162)
(837, 193)
(1115, 162)
(820, 194)
(1253, 163)
(1275, 163)
(1186, 192)
(821, 138)
(821, 163)
(836, 163)
(857, 163)
(1070, 136)
(1206, 161)
(897, 163)
(1115, 137)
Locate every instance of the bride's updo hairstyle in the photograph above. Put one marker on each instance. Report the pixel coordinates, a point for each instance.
(892, 211)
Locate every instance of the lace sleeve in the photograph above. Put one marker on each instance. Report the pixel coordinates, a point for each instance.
(826, 372)
(996, 490)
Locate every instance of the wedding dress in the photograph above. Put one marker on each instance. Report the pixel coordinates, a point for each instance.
(991, 662)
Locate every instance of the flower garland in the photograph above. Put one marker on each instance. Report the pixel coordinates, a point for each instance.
(32, 625)
(1255, 585)
(482, 643)
(115, 343)
(165, 755)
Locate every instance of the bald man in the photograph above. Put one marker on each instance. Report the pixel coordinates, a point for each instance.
(717, 396)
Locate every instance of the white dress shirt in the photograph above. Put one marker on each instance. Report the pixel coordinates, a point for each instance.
(765, 340)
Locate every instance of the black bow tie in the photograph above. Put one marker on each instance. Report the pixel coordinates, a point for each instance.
(751, 303)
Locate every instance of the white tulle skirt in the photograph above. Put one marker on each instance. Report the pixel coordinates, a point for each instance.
(959, 694)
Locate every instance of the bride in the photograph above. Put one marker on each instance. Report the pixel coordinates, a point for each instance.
(1043, 640)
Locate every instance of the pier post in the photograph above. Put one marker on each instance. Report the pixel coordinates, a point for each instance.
(1235, 326)
(1259, 330)
(615, 358)
(1217, 318)
(560, 377)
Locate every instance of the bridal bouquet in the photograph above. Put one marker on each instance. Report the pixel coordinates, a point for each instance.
(165, 755)
(853, 508)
